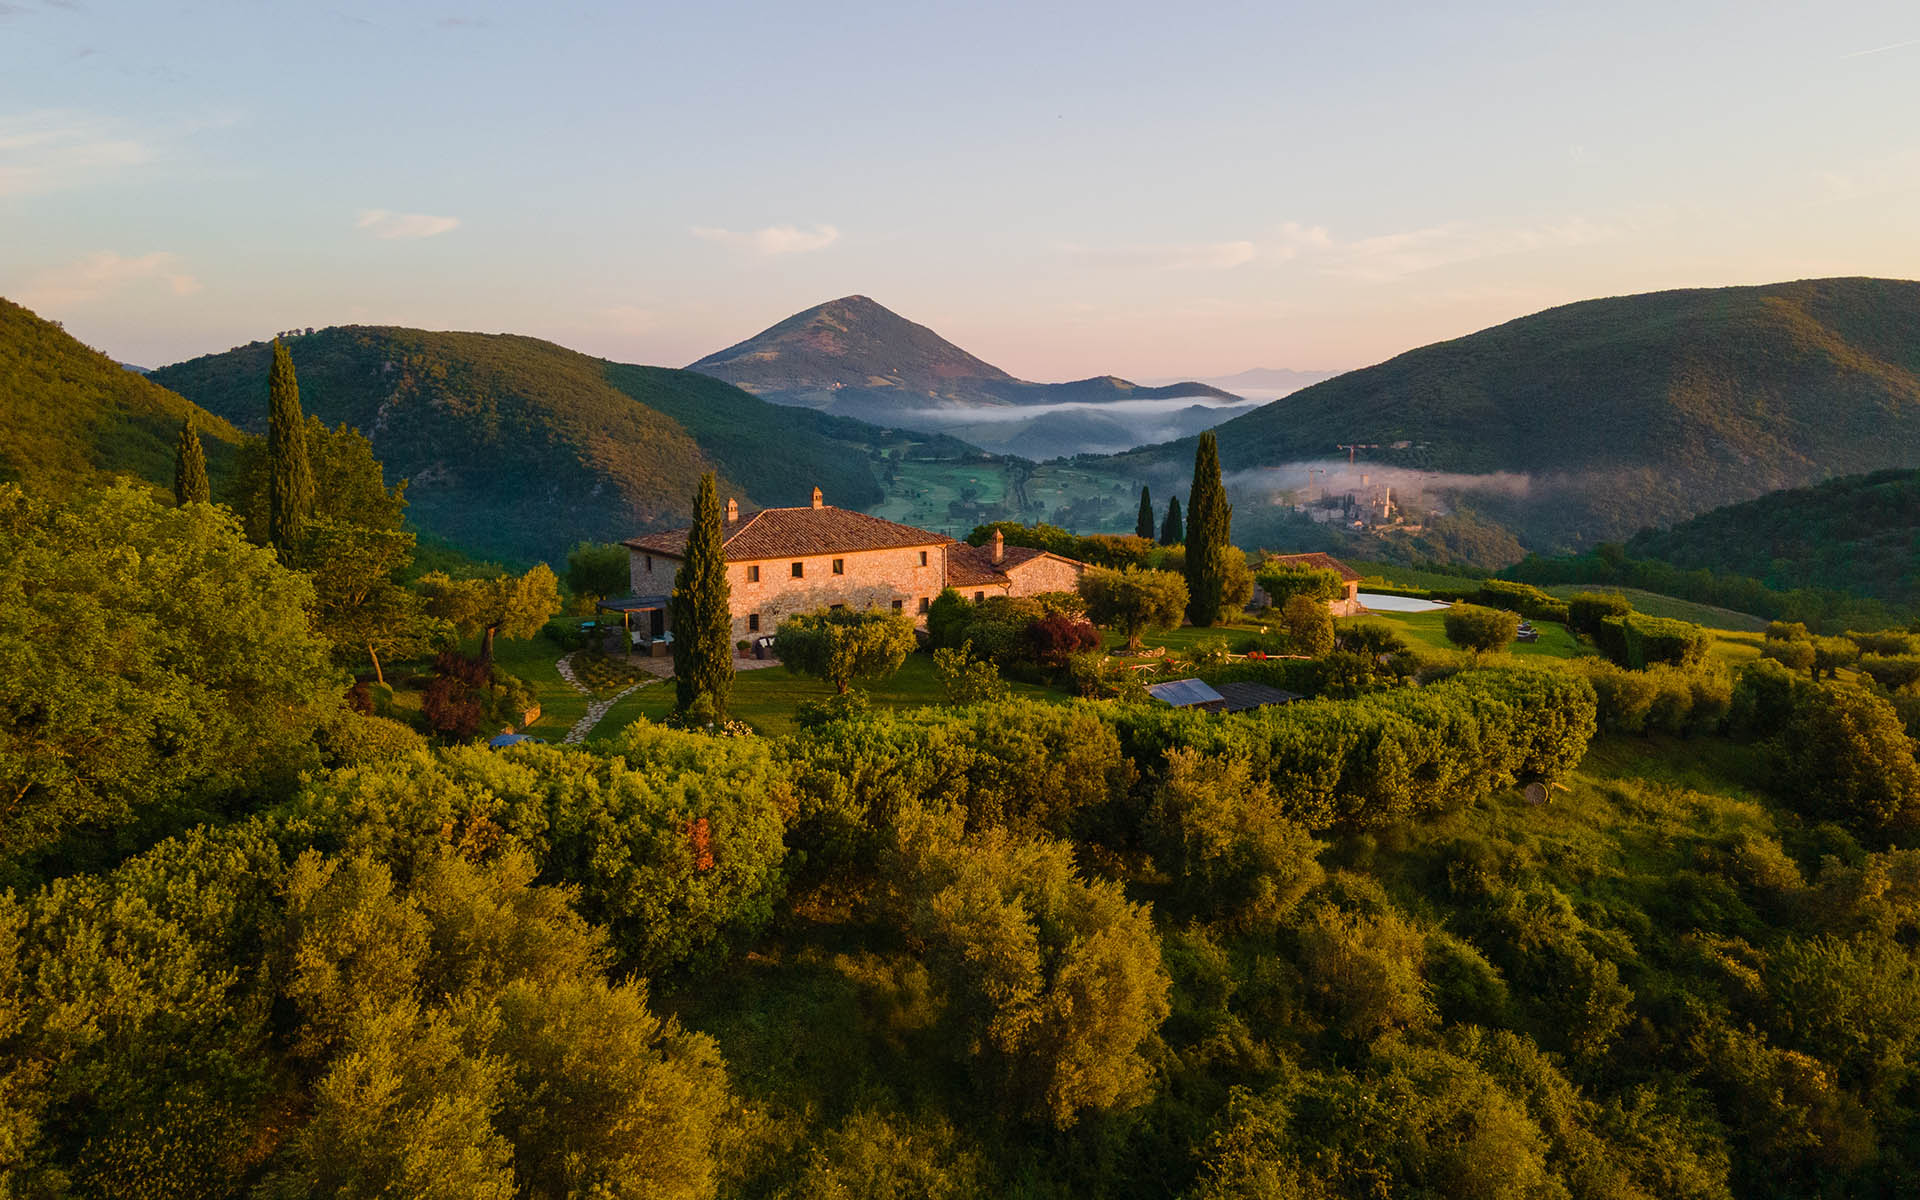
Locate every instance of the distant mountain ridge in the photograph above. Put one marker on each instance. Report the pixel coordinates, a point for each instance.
(1614, 414)
(1268, 379)
(857, 358)
(856, 346)
(516, 447)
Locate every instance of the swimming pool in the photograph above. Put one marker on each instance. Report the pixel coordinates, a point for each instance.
(1399, 604)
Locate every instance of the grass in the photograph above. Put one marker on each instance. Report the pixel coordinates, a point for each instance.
(1428, 629)
(1656, 605)
(766, 698)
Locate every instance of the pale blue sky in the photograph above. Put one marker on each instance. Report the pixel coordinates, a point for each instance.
(1064, 189)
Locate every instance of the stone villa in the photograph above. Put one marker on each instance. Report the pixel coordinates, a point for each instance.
(782, 561)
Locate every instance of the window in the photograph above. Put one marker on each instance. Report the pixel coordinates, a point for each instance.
(799, 570)
(649, 564)
(753, 622)
(897, 606)
(839, 566)
(836, 608)
(979, 595)
(924, 602)
(923, 558)
(753, 574)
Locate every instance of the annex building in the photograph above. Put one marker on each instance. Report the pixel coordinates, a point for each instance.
(782, 561)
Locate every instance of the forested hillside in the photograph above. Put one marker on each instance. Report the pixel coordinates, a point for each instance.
(69, 414)
(1858, 534)
(517, 447)
(1626, 412)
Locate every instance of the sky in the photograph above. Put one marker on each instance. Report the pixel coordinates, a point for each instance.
(1064, 189)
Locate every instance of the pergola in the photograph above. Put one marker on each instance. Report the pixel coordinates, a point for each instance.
(627, 606)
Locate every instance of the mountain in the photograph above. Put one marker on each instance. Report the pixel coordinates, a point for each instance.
(1590, 421)
(857, 358)
(1270, 382)
(70, 415)
(1858, 534)
(516, 447)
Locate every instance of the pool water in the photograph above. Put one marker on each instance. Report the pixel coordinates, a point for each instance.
(1400, 604)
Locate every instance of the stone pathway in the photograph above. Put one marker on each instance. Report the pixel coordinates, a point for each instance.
(596, 709)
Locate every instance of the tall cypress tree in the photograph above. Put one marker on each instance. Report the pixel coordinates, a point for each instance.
(701, 610)
(1144, 526)
(1173, 532)
(1209, 529)
(289, 472)
(190, 468)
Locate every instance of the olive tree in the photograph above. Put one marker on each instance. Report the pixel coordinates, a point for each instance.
(1134, 600)
(1481, 629)
(841, 645)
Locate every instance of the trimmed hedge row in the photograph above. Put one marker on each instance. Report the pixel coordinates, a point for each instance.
(1638, 641)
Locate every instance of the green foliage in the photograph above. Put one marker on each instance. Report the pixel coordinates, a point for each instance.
(1173, 531)
(190, 468)
(1134, 601)
(1846, 756)
(1282, 581)
(1481, 629)
(1054, 983)
(1523, 598)
(841, 645)
(70, 417)
(598, 570)
(1308, 625)
(700, 610)
(151, 663)
(503, 605)
(290, 480)
(1588, 611)
(1219, 829)
(1209, 532)
(1893, 672)
(966, 679)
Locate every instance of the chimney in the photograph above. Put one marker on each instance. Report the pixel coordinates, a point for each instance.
(819, 501)
(999, 547)
(733, 510)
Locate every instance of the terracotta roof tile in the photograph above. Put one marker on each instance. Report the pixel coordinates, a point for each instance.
(798, 532)
(1321, 562)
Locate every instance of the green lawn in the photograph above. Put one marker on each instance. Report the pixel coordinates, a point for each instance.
(1429, 629)
(1656, 605)
(766, 698)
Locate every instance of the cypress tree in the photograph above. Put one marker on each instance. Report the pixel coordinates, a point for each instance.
(289, 472)
(1144, 526)
(701, 610)
(190, 468)
(1173, 532)
(1209, 528)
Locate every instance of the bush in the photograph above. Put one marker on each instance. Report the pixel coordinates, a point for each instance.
(1219, 831)
(1887, 643)
(1892, 673)
(1054, 639)
(968, 680)
(1308, 625)
(1587, 610)
(1134, 601)
(1844, 754)
(1523, 598)
(1480, 629)
(1794, 654)
(1283, 581)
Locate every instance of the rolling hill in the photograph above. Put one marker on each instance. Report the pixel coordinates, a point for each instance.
(1611, 415)
(69, 414)
(1859, 534)
(857, 358)
(517, 447)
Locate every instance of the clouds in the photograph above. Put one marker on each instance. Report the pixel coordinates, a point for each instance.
(103, 274)
(383, 224)
(50, 151)
(771, 241)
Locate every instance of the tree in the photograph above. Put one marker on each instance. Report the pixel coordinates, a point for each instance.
(1134, 600)
(1847, 755)
(1144, 525)
(1209, 533)
(1309, 625)
(359, 604)
(1281, 581)
(1172, 532)
(1481, 629)
(841, 645)
(512, 607)
(598, 570)
(701, 610)
(966, 679)
(290, 487)
(150, 659)
(190, 468)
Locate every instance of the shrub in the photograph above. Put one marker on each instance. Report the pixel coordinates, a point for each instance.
(1283, 581)
(1845, 755)
(1308, 625)
(1795, 654)
(1219, 830)
(1587, 610)
(1480, 629)
(968, 680)
(1892, 673)
(1134, 601)
(1053, 639)
(1786, 631)
(1523, 598)
(1888, 643)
